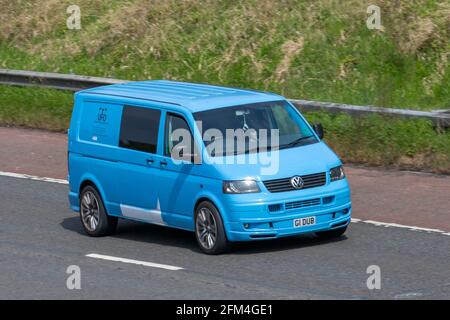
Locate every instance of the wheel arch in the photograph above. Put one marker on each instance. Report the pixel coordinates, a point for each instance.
(214, 201)
(86, 183)
(92, 181)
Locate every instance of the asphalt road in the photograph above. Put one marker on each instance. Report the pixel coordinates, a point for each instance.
(40, 237)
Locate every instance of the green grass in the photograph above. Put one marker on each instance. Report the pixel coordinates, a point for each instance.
(316, 49)
(381, 141)
(35, 108)
(313, 50)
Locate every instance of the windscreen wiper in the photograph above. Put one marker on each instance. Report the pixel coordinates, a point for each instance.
(295, 142)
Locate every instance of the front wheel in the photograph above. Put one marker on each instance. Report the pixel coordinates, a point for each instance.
(331, 234)
(94, 218)
(209, 229)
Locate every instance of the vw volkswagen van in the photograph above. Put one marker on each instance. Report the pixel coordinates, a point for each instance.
(247, 165)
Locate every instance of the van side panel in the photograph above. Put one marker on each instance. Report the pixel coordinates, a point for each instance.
(93, 150)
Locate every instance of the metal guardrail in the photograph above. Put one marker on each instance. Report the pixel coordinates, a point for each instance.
(75, 83)
(53, 80)
(441, 118)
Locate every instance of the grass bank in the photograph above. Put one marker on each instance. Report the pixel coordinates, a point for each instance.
(314, 49)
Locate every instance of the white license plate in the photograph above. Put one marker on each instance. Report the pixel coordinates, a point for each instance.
(304, 222)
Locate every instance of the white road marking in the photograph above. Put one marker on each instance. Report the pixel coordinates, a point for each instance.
(141, 263)
(30, 177)
(354, 220)
(396, 225)
(408, 295)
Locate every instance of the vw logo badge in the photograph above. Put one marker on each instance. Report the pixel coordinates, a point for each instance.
(297, 182)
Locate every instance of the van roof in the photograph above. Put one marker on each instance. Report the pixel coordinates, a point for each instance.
(194, 96)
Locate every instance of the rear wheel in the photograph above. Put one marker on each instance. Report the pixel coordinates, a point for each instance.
(94, 219)
(209, 229)
(330, 234)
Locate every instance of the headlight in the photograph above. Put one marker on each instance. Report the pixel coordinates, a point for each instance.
(337, 173)
(241, 186)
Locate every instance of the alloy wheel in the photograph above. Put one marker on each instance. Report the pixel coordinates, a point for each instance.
(206, 228)
(90, 211)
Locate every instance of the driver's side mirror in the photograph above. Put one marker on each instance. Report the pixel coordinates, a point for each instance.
(318, 129)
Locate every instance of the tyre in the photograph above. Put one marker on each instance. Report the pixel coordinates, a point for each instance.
(209, 229)
(94, 218)
(330, 234)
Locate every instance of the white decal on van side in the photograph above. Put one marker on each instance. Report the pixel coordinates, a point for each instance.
(152, 216)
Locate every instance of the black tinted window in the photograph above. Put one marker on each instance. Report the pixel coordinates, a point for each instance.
(139, 129)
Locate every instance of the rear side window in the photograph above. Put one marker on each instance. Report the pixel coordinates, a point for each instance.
(139, 129)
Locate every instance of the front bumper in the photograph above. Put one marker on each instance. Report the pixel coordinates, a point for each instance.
(251, 219)
(284, 226)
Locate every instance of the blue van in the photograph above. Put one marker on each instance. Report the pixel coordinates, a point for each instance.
(247, 164)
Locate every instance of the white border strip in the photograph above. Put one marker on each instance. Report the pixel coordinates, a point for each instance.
(141, 263)
(30, 177)
(396, 225)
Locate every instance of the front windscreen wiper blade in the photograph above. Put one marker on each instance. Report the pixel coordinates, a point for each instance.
(295, 142)
(269, 148)
(257, 149)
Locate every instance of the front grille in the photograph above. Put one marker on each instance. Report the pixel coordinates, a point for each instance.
(302, 204)
(310, 181)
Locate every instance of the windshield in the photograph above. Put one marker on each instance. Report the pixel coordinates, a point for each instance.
(263, 126)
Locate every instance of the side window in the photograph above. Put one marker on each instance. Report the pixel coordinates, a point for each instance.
(179, 143)
(139, 129)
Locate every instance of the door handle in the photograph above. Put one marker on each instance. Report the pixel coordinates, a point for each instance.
(150, 161)
(163, 163)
